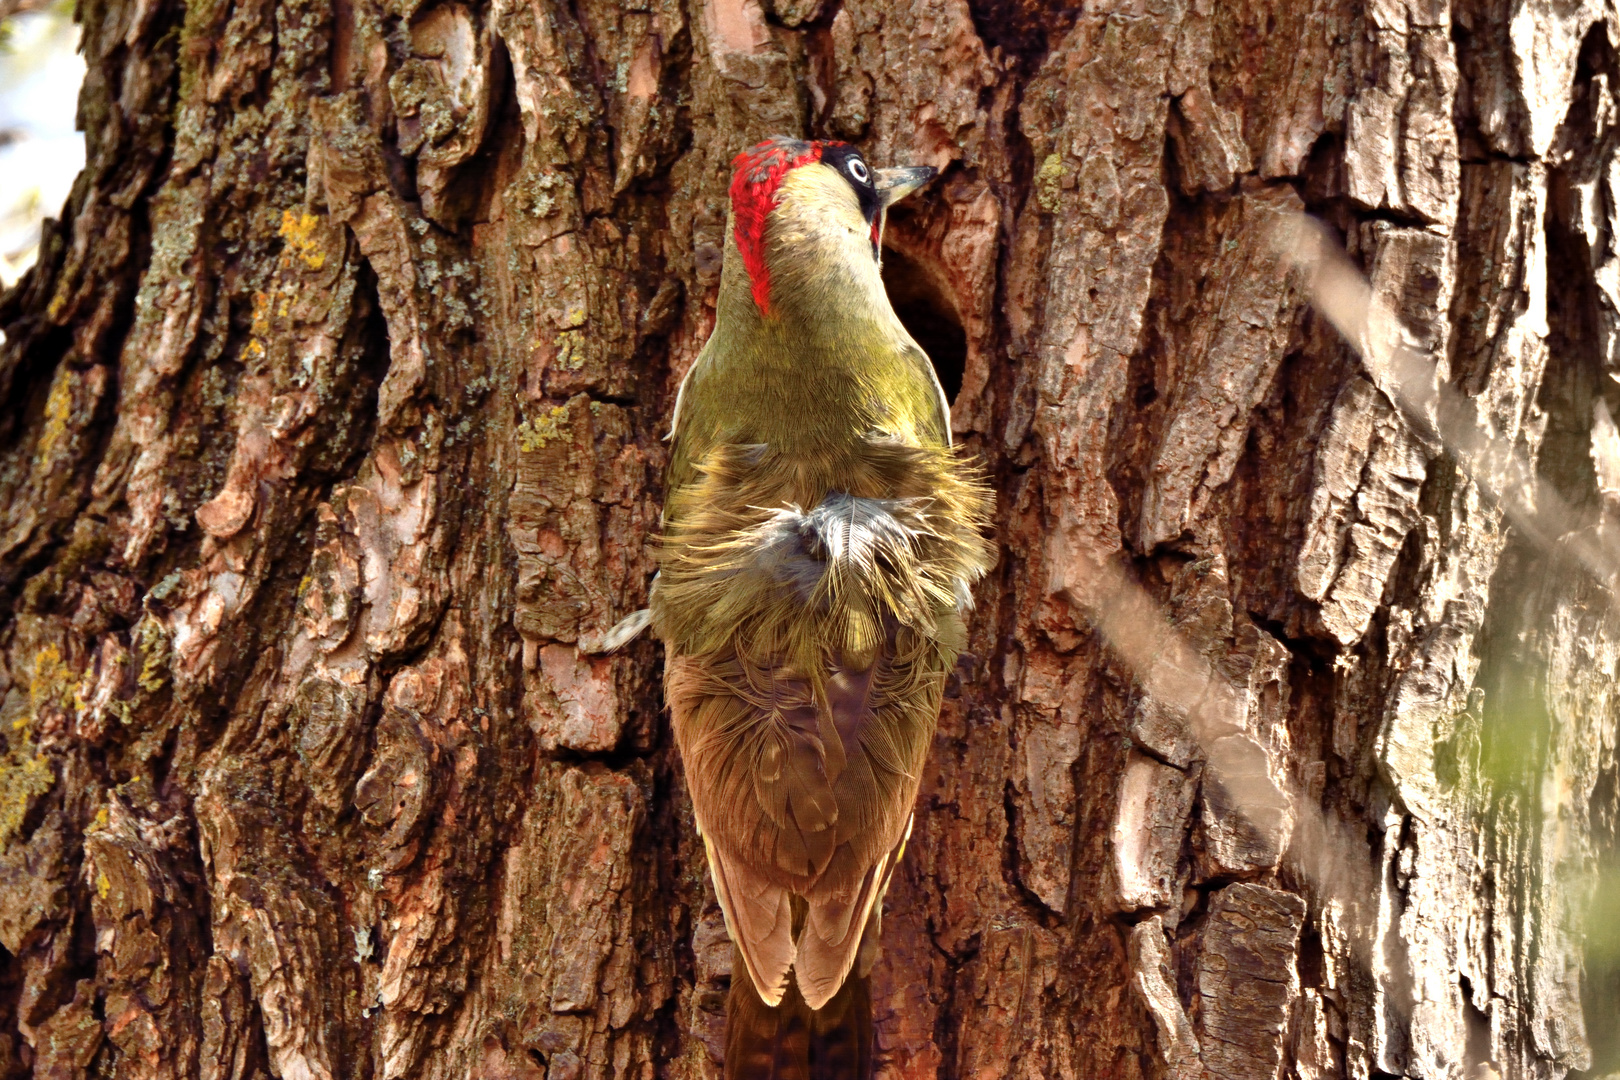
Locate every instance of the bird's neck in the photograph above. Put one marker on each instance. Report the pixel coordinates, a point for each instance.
(829, 361)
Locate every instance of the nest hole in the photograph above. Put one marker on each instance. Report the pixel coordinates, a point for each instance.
(929, 316)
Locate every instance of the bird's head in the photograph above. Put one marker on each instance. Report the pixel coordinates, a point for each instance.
(807, 223)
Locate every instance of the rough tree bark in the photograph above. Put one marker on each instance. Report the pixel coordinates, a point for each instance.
(332, 433)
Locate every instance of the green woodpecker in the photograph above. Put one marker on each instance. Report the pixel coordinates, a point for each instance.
(821, 538)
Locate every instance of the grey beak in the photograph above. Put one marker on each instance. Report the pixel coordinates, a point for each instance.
(895, 184)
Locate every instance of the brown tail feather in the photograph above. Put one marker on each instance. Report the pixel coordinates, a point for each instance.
(841, 1034)
(795, 1042)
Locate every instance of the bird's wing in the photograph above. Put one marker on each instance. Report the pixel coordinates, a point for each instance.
(887, 716)
(759, 919)
(757, 762)
(756, 747)
(761, 798)
(925, 370)
(836, 926)
(867, 954)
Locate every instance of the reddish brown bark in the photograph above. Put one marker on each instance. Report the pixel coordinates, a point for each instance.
(332, 447)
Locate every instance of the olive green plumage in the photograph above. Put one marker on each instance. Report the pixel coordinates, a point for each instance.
(903, 534)
(821, 537)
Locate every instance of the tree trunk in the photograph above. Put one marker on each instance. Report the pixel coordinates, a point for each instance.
(332, 446)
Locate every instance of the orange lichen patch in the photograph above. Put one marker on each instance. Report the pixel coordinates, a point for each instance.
(259, 327)
(261, 314)
(299, 232)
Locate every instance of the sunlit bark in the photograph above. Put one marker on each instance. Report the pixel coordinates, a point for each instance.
(331, 447)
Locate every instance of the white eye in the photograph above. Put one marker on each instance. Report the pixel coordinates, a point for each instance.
(858, 169)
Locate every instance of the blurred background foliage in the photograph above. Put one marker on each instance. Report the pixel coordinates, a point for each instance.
(41, 152)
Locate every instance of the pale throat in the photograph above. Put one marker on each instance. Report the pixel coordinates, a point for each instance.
(820, 253)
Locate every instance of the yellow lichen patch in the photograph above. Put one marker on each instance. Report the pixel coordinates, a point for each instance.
(152, 644)
(103, 886)
(23, 778)
(25, 774)
(258, 328)
(299, 232)
(535, 433)
(58, 411)
(570, 351)
(101, 818)
(1049, 182)
(52, 685)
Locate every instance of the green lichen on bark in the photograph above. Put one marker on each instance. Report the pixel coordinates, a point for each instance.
(25, 772)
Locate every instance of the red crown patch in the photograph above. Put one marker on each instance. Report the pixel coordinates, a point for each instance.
(758, 175)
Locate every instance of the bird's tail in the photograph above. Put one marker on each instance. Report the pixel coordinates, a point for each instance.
(793, 1041)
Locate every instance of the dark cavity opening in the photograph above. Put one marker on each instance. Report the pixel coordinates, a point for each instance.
(928, 315)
